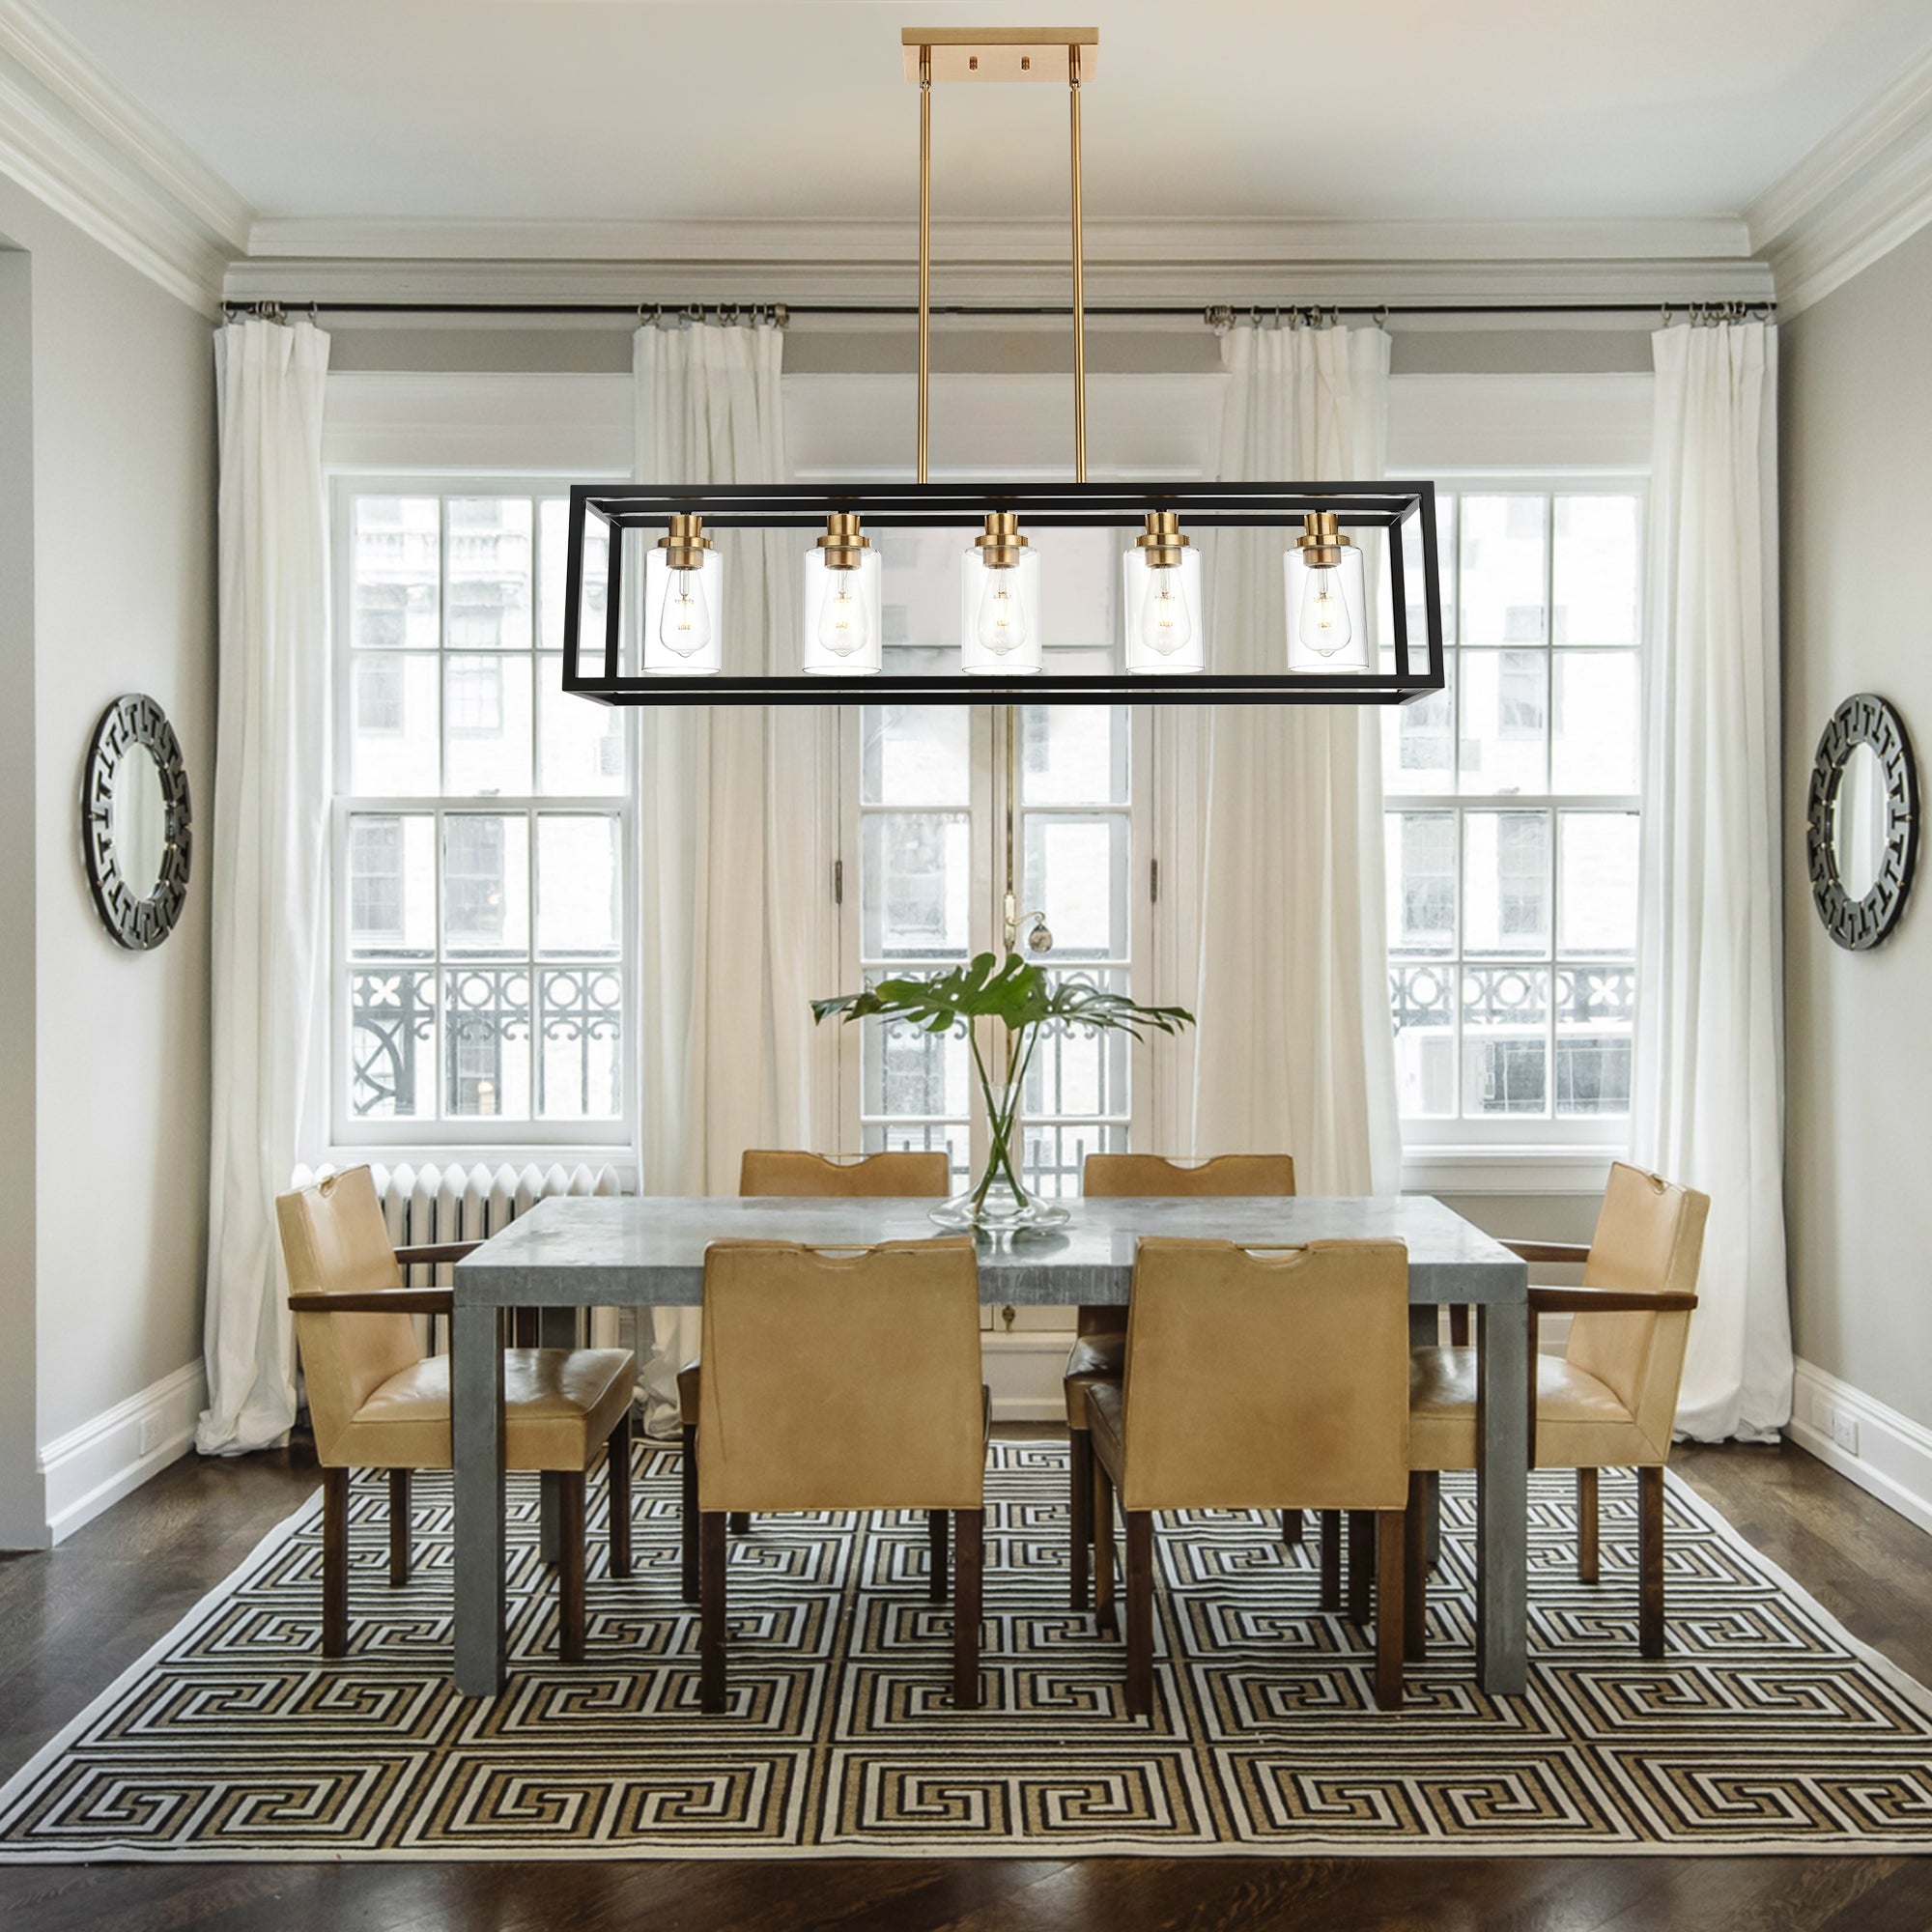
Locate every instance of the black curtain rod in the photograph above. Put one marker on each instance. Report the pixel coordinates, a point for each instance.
(1197, 311)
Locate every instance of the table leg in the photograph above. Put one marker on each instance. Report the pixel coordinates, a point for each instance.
(1503, 1497)
(476, 1446)
(1424, 1332)
(556, 1328)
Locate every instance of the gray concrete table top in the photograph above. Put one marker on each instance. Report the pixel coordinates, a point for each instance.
(649, 1251)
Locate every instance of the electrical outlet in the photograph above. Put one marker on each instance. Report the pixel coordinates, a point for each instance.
(1845, 1432)
(151, 1435)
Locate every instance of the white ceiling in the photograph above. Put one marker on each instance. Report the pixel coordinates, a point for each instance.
(666, 110)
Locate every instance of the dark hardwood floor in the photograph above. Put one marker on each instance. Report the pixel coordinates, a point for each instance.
(70, 1621)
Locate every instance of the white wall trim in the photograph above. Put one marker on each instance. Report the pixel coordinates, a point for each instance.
(1862, 190)
(1887, 1453)
(92, 1467)
(523, 424)
(1508, 1171)
(71, 137)
(1025, 1370)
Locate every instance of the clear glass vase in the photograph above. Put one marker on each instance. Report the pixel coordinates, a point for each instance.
(998, 1200)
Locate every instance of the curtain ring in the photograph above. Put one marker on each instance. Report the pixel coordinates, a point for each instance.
(1383, 315)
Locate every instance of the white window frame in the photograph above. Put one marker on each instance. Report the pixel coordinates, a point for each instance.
(441, 1138)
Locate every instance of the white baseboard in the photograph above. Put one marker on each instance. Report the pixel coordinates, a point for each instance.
(1023, 1369)
(1863, 1438)
(92, 1467)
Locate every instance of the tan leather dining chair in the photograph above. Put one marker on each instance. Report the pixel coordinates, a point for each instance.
(783, 1173)
(1099, 1346)
(377, 1402)
(1609, 1402)
(1256, 1378)
(884, 1339)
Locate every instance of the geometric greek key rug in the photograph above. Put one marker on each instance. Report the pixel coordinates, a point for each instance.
(1768, 1729)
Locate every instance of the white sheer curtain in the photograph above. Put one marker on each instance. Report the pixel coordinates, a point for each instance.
(1707, 1105)
(1294, 1050)
(270, 929)
(735, 826)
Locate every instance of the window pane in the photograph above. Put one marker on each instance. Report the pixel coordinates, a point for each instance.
(487, 599)
(1505, 1055)
(486, 883)
(1502, 559)
(395, 572)
(1422, 881)
(916, 755)
(1425, 1039)
(1596, 1007)
(1593, 747)
(581, 1063)
(1506, 882)
(486, 725)
(580, 894)
(487, 1031)
(1419, 742)
(1505, 721)
(911, 1075)
(391, 1044)
(392, 884)
(1074, 754)
(916, 877)
(1594, 571)
(393, 725)
(580, 749)
(922, 1137)
(1599, 885)
(1076, 871)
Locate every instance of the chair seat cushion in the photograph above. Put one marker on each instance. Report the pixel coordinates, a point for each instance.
(1580, 1422)
(1093, 1358)
(560, 1405)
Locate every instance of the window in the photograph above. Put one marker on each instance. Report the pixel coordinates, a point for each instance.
(482, 831)
(1513, 822)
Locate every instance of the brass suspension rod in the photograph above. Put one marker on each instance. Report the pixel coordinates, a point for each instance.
(1079, 275)
(925, 255)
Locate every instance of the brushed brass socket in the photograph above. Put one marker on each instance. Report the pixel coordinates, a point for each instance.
(1322, 541)
(1000, 544)
(843, 543)
(1162, 543)
(685, 543)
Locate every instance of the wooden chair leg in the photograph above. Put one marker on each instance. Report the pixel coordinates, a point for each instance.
(688, 1585)
(711, 1613)
(570, 1568)
(1079, 1514)
(1391, 1625)
(935, 1536)
(1140, 1613)
(1415, 1570)
(335, 1562)
(1650, 1561)
(1331, 1560)
(1104, 1618)
(968, 1570)
(399, 1527)
(1361, 1564)
(617, 1482)
(1586, 1525)
(1290, 1527)
(741, 1523)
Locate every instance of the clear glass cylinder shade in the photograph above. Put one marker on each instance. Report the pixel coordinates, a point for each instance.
(1327, 614)
(684, 632)
(1161, 613)
(840, 611)
(999, 618)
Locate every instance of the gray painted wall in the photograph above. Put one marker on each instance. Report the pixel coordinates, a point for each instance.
(124, 493)
(1856, 500)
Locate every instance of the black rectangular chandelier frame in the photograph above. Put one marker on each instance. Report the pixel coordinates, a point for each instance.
(1041, 506)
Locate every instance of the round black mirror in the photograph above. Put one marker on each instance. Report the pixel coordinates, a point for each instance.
(1862, 822)
(136, 823)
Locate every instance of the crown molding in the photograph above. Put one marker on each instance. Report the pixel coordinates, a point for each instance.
(76, 141)
(1855, 197)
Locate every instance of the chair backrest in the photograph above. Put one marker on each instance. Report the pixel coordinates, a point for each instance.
(1268, 1378)
(841, 1379)
(333, 1239)
(1124, 1176)
(1649, 1238)
(763, 1170)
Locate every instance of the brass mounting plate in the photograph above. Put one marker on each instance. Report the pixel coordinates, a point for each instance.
(1002, 53)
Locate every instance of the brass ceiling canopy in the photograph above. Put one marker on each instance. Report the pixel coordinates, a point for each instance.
(1002, 53)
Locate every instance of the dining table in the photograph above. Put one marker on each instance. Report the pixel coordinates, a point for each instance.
(575, 1251)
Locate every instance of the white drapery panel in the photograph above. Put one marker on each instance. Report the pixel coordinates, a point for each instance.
(735, 823)
(1707, 1104)
(270, 849)
(1294, 1052)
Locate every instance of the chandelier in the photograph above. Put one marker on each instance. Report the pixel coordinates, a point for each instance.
(1329, 653)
